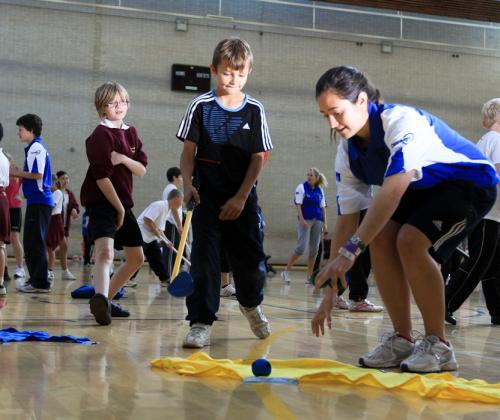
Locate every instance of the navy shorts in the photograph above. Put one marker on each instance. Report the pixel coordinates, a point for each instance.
(102, 224)
(446, 213)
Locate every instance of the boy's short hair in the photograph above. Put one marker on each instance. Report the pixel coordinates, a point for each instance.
(491, 112)
(235, 51)
(1, 131)
(172, 172)
(59, 174)
(174, 194)
(106, 93)
(31, 122)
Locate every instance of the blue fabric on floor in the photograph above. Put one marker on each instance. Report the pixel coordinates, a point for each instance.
(11, 335)
(87, 291)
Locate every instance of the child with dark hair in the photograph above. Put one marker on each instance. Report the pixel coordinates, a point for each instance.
(37, 181)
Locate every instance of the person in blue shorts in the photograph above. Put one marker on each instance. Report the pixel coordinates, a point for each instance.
(435, 187)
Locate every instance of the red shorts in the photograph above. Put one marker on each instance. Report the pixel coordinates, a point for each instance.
(56, 231)
(4, 217)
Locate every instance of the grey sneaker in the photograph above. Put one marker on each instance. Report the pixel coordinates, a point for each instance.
(430, 355)
(257, 320)
(197, 337)
(28, 288)
(285, 276)
(391, 351)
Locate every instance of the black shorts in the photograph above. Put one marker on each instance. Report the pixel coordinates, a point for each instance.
(16, 219)
(446, 213)
(102, 224)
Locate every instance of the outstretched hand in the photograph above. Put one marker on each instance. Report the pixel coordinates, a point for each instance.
(334, 271)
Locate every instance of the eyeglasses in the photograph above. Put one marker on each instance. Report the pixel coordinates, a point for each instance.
(116, 104)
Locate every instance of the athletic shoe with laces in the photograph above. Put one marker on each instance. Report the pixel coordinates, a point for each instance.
(197, 337)
(257, 320)
(227, 291)
(285, 276)
(364, 306)
(50, 275)
(117, 311)
(29, 288)
(101, 309)
(391, 351)
(68, 275)
(3, 290)
(341, 303)
(131, 283)
(430, 355)
(19, 273)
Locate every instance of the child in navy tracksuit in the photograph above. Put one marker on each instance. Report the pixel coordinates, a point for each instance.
(225, 137)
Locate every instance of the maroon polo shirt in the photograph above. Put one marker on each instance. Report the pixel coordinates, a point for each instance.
(99, 146)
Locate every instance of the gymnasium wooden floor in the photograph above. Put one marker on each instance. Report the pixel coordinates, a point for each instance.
(114, 380)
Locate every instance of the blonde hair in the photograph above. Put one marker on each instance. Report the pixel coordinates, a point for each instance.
(491, 112)
(322, 182)
(235, 51)
(106, 93)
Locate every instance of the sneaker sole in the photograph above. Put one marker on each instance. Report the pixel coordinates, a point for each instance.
(447, 367)
(363, 364)
(186, 345)
(99, 309)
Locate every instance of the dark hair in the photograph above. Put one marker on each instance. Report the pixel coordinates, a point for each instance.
(31, 122)
(174, 194)
(61, 173)
(172, 172)
(1, 131)
(348, 83)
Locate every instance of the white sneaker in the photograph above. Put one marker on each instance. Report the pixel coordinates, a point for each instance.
(341, 303)
(227, 291)
(130, 283)
(50, 275)
(197, 337)
(285, 276)
(257, 320)
(20, 273)
(28, 288)
(430, 355)
(391, 351)
(364, 306)
(68, 275)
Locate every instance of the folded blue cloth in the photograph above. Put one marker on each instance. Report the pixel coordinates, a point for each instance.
(87, 291)
(11, 335)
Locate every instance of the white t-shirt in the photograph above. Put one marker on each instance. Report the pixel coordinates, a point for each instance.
(164, 197)
(4, 170)
(158, 212)
(490, 146)
(57, 196)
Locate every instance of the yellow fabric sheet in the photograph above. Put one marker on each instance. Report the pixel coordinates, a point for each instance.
(330, 372)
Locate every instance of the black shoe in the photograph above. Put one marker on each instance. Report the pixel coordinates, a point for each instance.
(450, 319)
(101, 309)
(118, 312)
(6, 276)
(495, 320)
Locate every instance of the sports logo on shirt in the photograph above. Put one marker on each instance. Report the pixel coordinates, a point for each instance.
(35, 152)
(403, 140)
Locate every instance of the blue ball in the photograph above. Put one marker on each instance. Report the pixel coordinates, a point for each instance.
(261, 367)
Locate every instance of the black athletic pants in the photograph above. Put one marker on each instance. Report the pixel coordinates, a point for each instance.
(483, 265)
(36, 225)
(242, 239)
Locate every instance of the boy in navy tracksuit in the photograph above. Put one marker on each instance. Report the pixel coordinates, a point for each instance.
(37, 180)
(225, 137)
